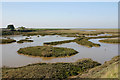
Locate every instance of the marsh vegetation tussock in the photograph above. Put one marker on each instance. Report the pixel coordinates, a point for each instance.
(47, 51)
(58, 42)
(87, 43)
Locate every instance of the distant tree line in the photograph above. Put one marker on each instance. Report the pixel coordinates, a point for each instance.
(11, 27)
(20, 29)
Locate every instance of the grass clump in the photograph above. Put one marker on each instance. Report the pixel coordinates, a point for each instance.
(110, 41)
(5, 41)
(47, 51)
(50, 70)
(24, 40)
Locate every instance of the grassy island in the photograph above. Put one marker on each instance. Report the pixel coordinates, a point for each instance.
(24, 40)
(5, 41)
(50, 70)
(47, 51)
(110, 40)
(58, 42)
(85, 42)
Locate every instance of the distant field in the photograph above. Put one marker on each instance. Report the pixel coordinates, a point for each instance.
(68, 32)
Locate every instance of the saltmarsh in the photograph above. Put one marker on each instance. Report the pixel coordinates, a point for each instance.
(24, 40)
(47, 51)
(5, 41)
(50, 70)
(82, 41)
(110, 40)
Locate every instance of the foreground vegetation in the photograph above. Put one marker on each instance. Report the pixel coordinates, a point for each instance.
(24, 40)
(83, 68)
(110, 40)
(108, 70)
(47, 51)
(5, 41)
(50, 70)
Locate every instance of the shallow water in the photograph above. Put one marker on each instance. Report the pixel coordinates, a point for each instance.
(99, 35)
(11, 58)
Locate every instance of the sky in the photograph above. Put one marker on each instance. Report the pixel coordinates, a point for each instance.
(60, 14)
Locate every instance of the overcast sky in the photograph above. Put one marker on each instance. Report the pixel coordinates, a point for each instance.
(60, 14)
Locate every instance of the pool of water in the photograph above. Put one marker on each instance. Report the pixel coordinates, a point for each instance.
(11, 58)
(100, 35)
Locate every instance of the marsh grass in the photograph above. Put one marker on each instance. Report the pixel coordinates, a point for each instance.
(87, 43)
(110, 41)
(5, 41)
(50, 70)
(82, 40)
(58, 42)
(47, 51)
(24, 40)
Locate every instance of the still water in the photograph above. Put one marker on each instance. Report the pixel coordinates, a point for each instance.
(11, 58)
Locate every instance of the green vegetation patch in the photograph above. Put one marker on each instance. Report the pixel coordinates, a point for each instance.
(82, 40)
(85, 42)
(4, 41)
(47, 51)
(58, 42)
(110, 41)
(24, 40)
(50, 70)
